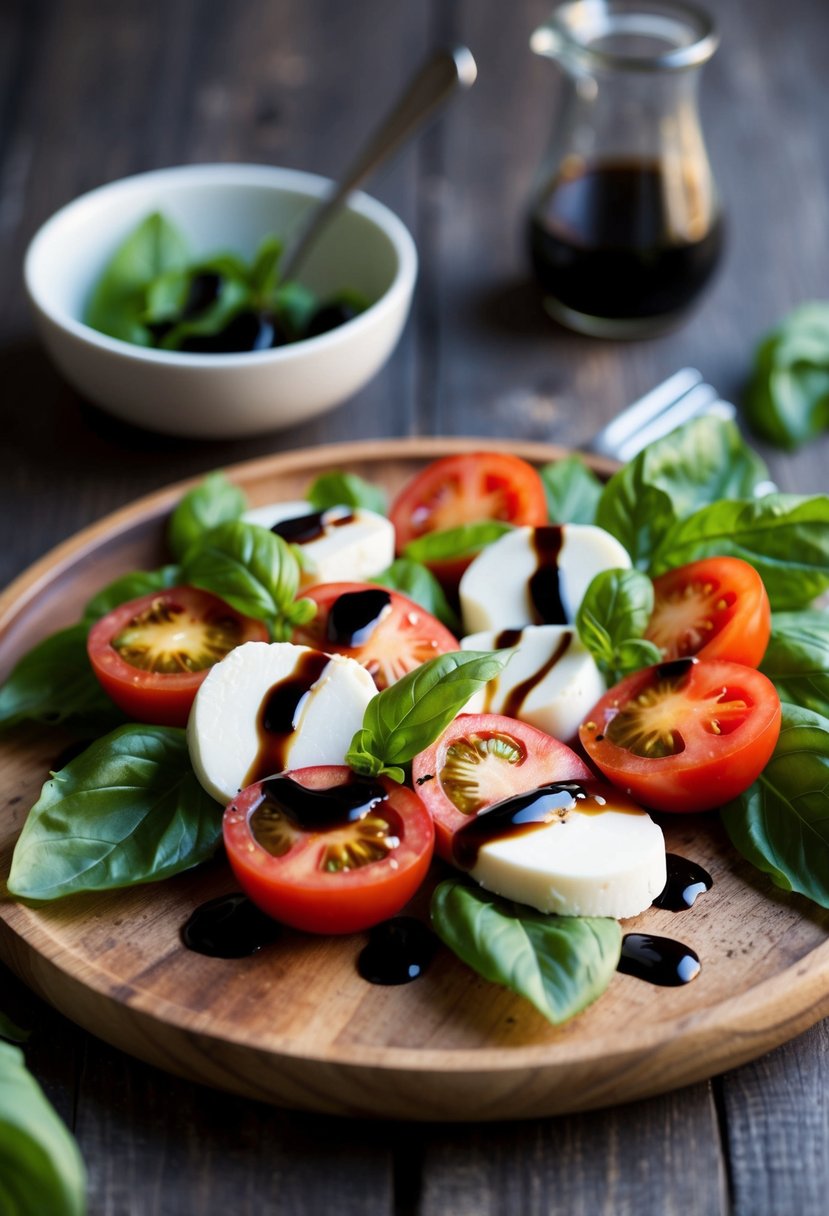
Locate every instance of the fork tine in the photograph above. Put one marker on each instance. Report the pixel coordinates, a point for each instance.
(610, 439)
(701, 400)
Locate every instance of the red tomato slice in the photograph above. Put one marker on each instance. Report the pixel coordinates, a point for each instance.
(386, 632)
(716, 608)
(326, 851)
(151, 654)
(685, 735)
(467, 489)
(481, 759)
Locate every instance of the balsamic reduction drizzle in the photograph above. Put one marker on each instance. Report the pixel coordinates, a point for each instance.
(315, 810)
(229, 927)
(514, 816)
(354, 616)
(658, 960)
(686, 881)
(277, 714)
(514, 702)
(507, 638)
(675, 670)
(545, 584)
(302, 529)
(398, 951)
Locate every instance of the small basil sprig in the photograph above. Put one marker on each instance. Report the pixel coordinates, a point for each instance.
(463, 541)
(611, 620)
(409, 715)
(42, 1170)
(338, 489)
(254, 571)
(419, 584)
(214, 501)
(797, 658)
(780, 823)
(128, 810)
(572, 490)
(787, 401)
(559, 963)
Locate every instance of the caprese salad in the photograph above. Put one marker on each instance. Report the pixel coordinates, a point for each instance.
(514, 667)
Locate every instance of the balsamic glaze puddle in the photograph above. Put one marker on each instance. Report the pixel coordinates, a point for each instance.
(229, 927)
(398, 951)
(354, 616)
(659, 960)
(686, 881)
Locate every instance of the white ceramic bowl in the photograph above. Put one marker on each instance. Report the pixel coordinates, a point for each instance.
(221, 207)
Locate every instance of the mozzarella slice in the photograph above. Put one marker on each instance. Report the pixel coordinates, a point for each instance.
(551, 681)
(270, 707)
(604, 856)
(342, 544)
(536, 576)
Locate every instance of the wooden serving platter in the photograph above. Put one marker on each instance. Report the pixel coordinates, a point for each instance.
(295, 1024)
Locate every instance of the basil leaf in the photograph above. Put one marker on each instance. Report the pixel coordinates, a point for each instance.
(784, 536)
(463, 541)
(559, 963)
(128, 810)
(8, 1030)
(797, 659)
(248, 567)
(41, 1170)
(338, 489)
(263, 271)
(697, 464)
(420, 585)
(780, 823)
(408, 716)
(130, 587)
(214, 501)
(232, 298)
(573, 491)
(54, 683)
(787, 401)
(611, 619)
(117, 305)
(294, 306)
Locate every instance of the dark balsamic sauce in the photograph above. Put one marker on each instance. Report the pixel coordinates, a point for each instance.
(658, 960)
(277, 713)
(686, 882)
(229, 927)
(312, 810)
(514, 702)
(398, 951)
(545, 584)
(354, 616)
(301, 529)
(675, 670)
(507, 638)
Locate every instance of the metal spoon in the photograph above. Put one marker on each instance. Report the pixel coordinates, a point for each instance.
(429, 89)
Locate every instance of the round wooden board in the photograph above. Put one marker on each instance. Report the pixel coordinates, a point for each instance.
(295, 1025)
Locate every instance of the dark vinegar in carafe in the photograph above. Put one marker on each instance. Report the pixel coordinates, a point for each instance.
(602, 243)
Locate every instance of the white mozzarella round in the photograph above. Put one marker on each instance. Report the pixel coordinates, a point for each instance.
(495, 591)
(355, 544)
(551, 681)
(223, 732)
(605, 861)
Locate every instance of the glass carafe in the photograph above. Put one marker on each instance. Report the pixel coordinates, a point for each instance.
(625, 226)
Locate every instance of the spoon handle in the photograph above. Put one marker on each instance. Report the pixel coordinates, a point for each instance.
(428, 90)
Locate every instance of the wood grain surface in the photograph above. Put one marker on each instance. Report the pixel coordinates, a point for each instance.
(296, 1024)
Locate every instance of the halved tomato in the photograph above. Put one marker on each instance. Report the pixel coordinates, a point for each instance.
(466, 489)
(716, 608)
(151, 654)
(324, 850)
(685, 735)
(484, 758)
(386, 632)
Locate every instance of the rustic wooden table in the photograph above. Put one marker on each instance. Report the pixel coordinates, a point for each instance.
(91, 91)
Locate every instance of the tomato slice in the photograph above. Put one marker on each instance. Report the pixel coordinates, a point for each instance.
(151, 654)
(484, 758)
(386, 632)
(466, 489)
(326, 851)
(716, 608)
(685, 735)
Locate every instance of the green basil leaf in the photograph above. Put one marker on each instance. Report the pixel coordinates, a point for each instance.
(699, 463)
(117, 305)
(214, 501)
(463, 541)
(128, 810)
(130, 587)
(9, 1030)
(54, 683)
(559, 963)
(41, 1170)
(263, 271)
(573, 491)
(166, 296)
(780, 823)
(797, 659)
(787, 401)
(338, 489)
(419, 584)
(234, 297)
(408, 716)
(294, 305)
(247, 566)
(611, 619)
(784, 536)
